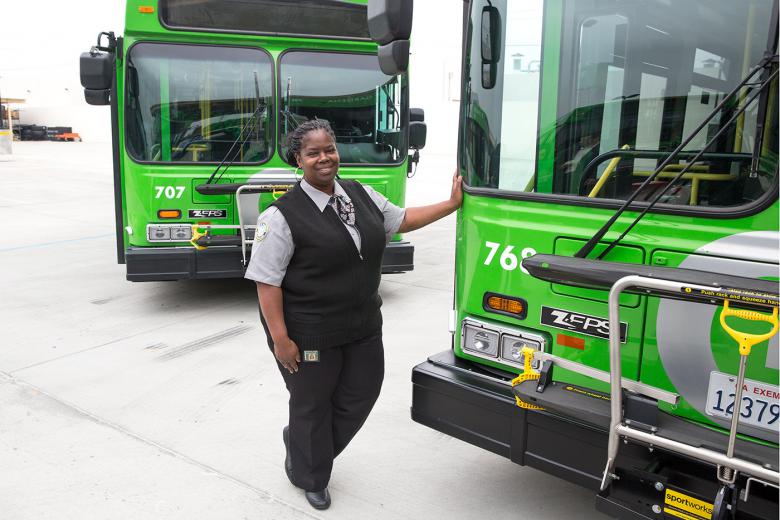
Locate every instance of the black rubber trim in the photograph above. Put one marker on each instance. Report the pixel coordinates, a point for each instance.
(119, 222)
(148, 264)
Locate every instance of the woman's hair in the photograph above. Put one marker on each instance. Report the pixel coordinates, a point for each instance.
(295, 138)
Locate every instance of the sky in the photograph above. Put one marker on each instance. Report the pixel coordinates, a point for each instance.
(41, 42)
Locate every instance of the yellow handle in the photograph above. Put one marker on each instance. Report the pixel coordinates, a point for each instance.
(746, 340)
(196, 234)
(528, 373)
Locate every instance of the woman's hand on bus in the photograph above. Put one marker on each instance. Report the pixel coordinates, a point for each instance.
(415, 218)
(456, 195)
(286, 352)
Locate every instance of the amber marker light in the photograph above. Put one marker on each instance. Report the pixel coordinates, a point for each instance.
(169, 213)
(146, 9)
(508, 305)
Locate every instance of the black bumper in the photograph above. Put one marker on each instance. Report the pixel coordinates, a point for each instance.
(147, 264)
(463, 400)
(457, 398)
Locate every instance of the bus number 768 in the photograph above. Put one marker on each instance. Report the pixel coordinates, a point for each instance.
(507, 259)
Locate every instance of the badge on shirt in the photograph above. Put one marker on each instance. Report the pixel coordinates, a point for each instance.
(311, 356)
(261, 232)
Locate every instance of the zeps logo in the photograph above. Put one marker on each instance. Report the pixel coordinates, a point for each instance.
(208, 213)
(581, 323)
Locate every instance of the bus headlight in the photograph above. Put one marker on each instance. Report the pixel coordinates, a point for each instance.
(168, 233)
(480, 340)
(512, 346)
(499, 342)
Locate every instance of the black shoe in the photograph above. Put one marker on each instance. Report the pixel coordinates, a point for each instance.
(287, 460)
(318, 499)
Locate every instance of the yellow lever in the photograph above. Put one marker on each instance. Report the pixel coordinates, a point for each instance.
(196, 234)
(746, 340)
(528, 373)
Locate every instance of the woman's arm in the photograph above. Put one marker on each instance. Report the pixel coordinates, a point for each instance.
(421, 216)
(285, 349)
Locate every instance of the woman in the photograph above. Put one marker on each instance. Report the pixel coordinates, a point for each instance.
(317, 259)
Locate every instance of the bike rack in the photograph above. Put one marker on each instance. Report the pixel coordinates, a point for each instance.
(619, 428)
(276, 185)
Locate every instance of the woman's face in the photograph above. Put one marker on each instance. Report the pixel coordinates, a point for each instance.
(319, 159)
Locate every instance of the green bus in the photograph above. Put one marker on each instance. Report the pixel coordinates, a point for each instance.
(620, 160)
(203, 95)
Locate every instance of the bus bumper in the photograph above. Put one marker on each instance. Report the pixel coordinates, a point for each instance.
(459, 398)
(148, 264)
(455, 397)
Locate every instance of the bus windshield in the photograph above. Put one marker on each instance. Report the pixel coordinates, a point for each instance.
(365, 106)
(190, 103)
(635, 79)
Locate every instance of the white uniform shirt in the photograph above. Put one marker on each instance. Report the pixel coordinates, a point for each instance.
(273, 246)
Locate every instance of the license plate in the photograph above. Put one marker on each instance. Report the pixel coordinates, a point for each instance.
(760, 401)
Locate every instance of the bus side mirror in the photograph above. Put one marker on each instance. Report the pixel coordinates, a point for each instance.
(390, 25)
(97, 97)
(418, 131)
(394, 57)
(97, 71)
(490, 45)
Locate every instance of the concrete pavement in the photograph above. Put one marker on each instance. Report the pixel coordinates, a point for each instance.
(161, 400)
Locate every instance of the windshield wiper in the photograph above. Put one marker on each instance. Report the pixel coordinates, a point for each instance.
(253, 120)
(762, 84)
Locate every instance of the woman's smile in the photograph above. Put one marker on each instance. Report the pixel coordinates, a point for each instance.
(319, 159)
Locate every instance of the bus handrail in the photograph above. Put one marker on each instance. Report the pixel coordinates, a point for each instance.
(625, 153)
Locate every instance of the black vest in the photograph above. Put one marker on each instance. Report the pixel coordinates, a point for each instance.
(330, 290)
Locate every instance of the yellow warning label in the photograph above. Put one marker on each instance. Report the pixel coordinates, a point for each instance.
(680, 514)
(682, 502)
(585, 392)
(736, 295)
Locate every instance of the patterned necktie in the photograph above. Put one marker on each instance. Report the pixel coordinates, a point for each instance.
(343, 208)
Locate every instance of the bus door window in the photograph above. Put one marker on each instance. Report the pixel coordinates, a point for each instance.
(501, 131)
(644, 78)
(599, 98)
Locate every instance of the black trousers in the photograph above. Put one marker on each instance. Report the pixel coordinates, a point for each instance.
(329, 402)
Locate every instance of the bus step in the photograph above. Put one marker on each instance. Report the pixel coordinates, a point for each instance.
(582, 404)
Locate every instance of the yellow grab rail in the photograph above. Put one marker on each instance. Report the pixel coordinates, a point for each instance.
(607, 174)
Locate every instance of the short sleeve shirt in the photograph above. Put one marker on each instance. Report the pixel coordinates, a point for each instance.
(273, 246)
